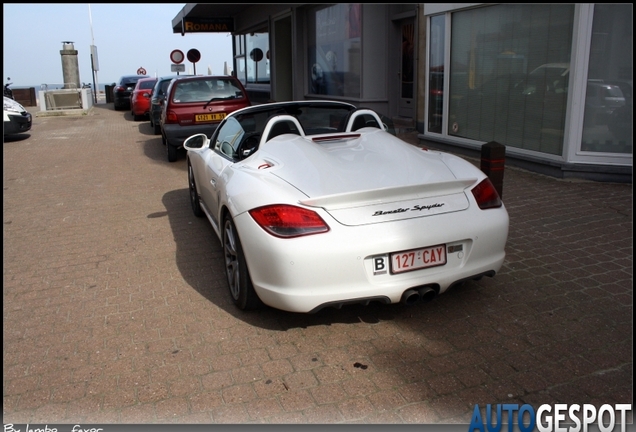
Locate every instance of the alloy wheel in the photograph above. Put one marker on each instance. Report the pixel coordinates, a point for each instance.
(231, 260)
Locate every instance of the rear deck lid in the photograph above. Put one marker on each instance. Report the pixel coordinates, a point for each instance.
(368, 178)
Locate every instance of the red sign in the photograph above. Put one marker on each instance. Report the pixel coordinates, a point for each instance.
(141, 71)
(176, 56)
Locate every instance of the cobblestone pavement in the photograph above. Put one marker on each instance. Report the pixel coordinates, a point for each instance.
(115, 306)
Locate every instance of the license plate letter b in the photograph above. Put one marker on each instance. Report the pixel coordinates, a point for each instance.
(380, 265)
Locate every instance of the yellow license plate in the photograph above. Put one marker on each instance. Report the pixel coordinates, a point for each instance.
(202, 118)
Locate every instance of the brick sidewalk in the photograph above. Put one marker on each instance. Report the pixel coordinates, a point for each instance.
(115, 306)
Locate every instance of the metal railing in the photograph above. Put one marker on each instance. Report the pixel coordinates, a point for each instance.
(64, 86)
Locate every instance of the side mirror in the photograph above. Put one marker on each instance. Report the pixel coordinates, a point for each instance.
(196, 142)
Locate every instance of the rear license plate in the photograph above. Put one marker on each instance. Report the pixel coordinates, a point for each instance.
(418, 259)
(203, 118)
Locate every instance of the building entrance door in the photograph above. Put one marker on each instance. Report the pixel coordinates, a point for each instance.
(406, 71)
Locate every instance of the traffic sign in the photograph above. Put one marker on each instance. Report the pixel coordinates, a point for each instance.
(194, 55)
(176, 56)
(141, 71)
(177, 68)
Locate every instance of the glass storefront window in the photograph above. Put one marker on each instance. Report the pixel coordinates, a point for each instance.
(334, 50)
(241, 71)
(239, 45)
(257, 59)
(239, 58)
(509, 74)
(252, 59)
(607, 124)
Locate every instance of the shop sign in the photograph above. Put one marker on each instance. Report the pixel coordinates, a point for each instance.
(208, 25)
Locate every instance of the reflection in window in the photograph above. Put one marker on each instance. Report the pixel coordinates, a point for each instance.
(334, 50)
(436, 75)
(257, 50)
(252, 57)
(408, 60)
(239, 58)
(607, 124)
(509, 74)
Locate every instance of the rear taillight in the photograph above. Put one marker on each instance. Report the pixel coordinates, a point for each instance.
(171, 117)
(287, 221)
(486, 195)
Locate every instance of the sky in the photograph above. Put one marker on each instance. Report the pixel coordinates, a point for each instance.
(127, 37)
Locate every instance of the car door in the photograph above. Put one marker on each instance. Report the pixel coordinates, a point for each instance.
(217, 159)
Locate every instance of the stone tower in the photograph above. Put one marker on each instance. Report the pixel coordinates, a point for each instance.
(70, 66)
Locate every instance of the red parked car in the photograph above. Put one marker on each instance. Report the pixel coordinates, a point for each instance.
(140, 98)
(197, 104)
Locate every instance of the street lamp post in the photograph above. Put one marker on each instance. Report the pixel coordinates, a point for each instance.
(94, 60)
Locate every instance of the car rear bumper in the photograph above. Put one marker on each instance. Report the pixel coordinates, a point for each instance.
(140, 110)
(176, 134)
(121, 100)
(309, 273)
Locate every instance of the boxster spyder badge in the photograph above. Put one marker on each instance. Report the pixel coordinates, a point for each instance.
(402, 210)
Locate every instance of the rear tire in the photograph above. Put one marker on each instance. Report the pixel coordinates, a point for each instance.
(171, 151)
(194, 196)
(238, 278)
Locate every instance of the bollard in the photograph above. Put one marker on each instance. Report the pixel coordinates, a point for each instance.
(108, 91)
(493, 158)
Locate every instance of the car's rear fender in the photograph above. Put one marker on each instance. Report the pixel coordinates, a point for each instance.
(247, 188)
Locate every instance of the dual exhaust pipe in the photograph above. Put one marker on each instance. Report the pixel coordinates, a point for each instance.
(415, 295)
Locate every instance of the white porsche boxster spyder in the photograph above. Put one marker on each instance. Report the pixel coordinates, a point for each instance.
(317, 205)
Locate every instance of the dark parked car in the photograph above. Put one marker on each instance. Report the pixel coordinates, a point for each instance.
(123, 89)
(197, 104)
(140, 98)
(157, 97)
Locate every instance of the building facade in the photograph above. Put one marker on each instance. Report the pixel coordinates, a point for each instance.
(552, 82)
